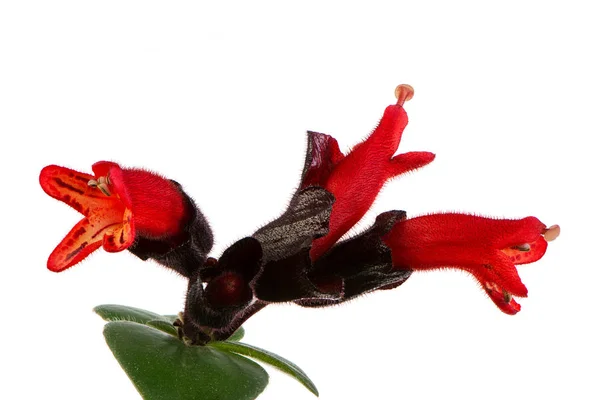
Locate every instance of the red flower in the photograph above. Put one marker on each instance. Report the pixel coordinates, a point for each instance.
(487, 248)
(356, 179)
(120, 205)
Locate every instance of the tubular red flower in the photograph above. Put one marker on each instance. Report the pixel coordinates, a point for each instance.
(356, 179)
(119, 205)
(487, 248)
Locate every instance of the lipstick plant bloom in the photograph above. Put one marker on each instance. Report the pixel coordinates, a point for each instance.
(124, 209)
(487, 248)
(356, 179)
(298, 257)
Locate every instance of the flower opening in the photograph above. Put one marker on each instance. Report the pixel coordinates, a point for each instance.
(119, 206)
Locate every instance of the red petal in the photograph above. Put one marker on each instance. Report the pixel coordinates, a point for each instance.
(83, 239)
(486, 279)
(510, 308)
(89, 234)
(472, 230)
(122, 236)
(434, 241)
(517, 232)
(506, 275)
(406, 162)
(71, 187)
(159, 207)
(157, 203)
(386, 137)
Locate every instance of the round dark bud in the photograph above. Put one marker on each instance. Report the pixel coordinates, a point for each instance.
(227, 290)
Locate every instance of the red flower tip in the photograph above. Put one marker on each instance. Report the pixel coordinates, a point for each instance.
(118, 205)
(356, 179)
(487, 248)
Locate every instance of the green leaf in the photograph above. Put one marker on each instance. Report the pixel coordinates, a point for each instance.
(163, 367)
(237, 335)
(269, 358)
(116, 312)
(171, 318)
(163, 325)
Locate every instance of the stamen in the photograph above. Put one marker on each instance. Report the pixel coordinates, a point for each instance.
(507, 296)
(102, 184)
(551, 233)
(103, 188)
(404, 93)
(522, 247)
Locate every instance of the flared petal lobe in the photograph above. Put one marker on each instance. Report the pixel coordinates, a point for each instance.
(72, 188)
(105, 223)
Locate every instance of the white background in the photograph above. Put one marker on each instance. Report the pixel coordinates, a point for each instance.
(219, 98)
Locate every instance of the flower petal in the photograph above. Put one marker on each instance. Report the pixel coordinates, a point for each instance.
(71, 187)
(122, 236)
(468, 230)
(83, 239)
(516, 232)
(511, 307)
(87, 235)
(506, 275)
(503, 300)
(410, 161)
(386, 136)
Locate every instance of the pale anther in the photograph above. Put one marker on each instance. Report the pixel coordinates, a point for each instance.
(522, 247)
(551, 233)
(103, 188)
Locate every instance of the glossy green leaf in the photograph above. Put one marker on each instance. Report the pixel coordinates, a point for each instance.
(116, 312)
(162, 367)
(269, 358)
(162, 325)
